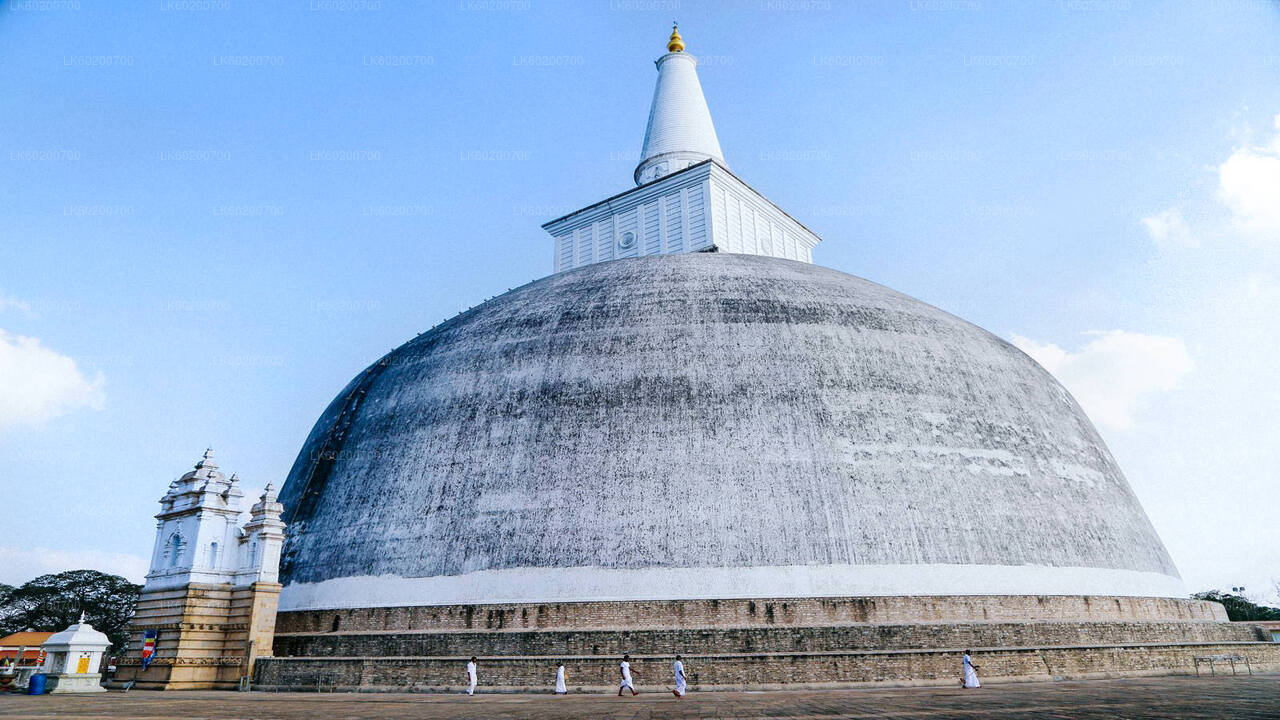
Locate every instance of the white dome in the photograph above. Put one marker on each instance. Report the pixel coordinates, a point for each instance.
(708, 425)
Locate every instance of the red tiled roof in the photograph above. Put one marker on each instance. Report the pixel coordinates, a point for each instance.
(29, 639)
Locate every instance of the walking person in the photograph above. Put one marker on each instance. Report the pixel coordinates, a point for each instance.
(624, 669)
(970, 672)
(471, 676)
(561, 687)
(681, 683)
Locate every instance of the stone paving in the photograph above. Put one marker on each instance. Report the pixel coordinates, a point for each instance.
(1238, 698)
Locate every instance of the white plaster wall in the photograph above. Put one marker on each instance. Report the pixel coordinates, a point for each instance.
(691, 212)
(670, 221)
(587, 584)
(744, 222)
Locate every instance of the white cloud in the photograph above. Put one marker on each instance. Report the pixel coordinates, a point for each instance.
(1168, 229)
(38, 384)
(18, 565)
(8, 302)
(1249, 184)
(1114, 371)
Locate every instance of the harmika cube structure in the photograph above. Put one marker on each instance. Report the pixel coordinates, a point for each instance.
(73, 658)
(691, 439)
(208, 607)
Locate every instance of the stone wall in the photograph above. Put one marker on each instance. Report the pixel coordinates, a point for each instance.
(755, 671)
(551, 643)
(755, 643)
(750, 613)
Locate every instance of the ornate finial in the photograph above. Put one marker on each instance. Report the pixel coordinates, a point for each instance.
(235, 478)
(676, 43)
(268, 493)
(207, 460)
(81, 617)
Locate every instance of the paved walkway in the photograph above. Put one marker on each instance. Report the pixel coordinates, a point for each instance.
(1165, 697)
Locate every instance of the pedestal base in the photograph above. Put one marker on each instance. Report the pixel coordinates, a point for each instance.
(74, 683)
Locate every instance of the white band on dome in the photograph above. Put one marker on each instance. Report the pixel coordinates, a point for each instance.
(588, 584)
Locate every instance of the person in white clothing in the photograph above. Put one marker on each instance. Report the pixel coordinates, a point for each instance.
(970, 672)
(471, 676)
(624, 669)
(561, 688)
(681, 682)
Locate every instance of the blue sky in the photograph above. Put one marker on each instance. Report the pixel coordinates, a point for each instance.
(216, 213)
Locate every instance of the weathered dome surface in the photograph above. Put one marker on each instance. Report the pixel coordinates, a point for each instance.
(708, 426)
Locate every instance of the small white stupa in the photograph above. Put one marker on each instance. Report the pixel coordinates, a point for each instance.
(72, 659)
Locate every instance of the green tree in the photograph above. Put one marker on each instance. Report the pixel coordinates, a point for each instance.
(50, 603)
(4, 593)
(1238, 607)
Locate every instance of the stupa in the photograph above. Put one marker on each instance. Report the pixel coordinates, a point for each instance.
(691, 439)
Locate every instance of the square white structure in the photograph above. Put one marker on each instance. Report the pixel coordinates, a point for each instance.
(702, 208)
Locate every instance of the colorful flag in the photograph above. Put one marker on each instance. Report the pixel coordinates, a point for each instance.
(148, 647)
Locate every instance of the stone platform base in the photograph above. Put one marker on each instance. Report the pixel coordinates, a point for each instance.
(208, 635)
(755, 644)
(74, 683)
(751, 671)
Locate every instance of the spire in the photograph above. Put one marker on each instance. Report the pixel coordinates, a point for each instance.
(680, 132)
(207, 460)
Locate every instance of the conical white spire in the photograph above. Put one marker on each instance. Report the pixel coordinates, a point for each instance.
(680, 131)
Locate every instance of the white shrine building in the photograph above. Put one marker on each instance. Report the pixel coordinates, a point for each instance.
(685, 199)
(198, 533)
(210, 598)
(72, 659)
